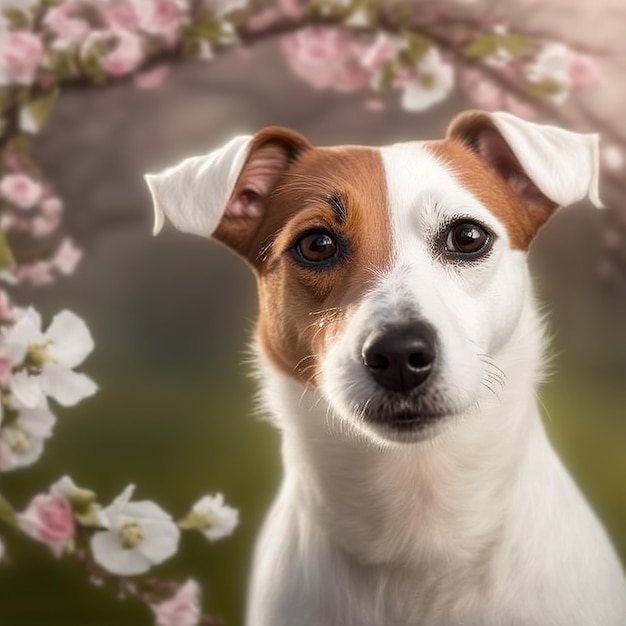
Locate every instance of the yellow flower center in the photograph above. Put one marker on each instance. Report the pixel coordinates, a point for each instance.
(427, 81)
(131, 535)
(20, 441)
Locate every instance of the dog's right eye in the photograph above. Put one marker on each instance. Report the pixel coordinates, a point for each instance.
(315, 247)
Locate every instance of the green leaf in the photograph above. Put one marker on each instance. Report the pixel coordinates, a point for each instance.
(488, 44)
(206, 27)
(190, 47)
(62, 64)
(418, 46)
(7, 262)
(517, 45)
(16, 18)
(90, 62)
(7, 513)
(482, 46)
(544, 88)
(387, 74)
(40, 108)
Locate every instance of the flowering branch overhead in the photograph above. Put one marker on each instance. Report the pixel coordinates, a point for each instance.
(408, 54)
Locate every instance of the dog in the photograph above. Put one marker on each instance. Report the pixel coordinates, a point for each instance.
(399, 347)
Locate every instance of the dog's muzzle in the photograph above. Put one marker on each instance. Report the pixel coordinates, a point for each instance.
(401, 357)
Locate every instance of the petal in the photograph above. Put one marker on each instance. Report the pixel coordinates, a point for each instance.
(27, 388)
(37, 422)
(108, 552)
(145, 510)
(71, 338)
(65, 386)
(161, 540)
(26, 332)
(125, 496)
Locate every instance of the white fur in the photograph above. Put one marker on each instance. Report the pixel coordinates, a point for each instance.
(564, 165)
(473, 522)
(194, 193)
(479, 524)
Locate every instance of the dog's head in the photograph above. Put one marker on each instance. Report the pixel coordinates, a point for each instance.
(386, 276)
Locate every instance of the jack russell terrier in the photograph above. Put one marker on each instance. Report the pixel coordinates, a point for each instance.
(399, 348)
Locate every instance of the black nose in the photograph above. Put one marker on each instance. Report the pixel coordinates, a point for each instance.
(400, 357)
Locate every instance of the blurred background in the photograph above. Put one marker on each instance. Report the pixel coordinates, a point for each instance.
(172, 316)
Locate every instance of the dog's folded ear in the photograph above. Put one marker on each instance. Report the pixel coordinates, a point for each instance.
(226, 189)
(546, 166)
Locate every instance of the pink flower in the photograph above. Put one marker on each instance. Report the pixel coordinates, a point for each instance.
(49, 519)
(159, 17)
(326, 58)
(582, 70)
(37, 273)
(67, 257)
(383, 49)
(119, 15)
(125, 57)
(292, 8)
(153, 78)
(21, 190)
(21, 53)
(182, 609)
(68, 29)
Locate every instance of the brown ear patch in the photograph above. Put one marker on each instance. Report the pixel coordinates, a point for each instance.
(476, 132)
(343, 192)
(520, 207)
(271, 151)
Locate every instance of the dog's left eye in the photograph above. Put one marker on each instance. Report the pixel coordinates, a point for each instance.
(318, 246)
(468, 238)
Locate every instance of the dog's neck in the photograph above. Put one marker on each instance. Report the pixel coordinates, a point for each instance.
(376, 501)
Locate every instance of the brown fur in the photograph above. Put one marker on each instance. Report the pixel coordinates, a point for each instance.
(486, 166)
(302, 308)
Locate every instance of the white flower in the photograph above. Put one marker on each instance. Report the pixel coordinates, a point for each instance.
(23, 433)
(214, 518)
(433, 81)
(138, 535)
(49, 358)
(566, 69)
(2, 550)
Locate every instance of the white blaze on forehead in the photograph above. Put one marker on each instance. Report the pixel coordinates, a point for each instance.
(423, 195)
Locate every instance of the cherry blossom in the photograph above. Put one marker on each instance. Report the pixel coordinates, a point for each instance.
(557, 64)
(21, 190)
(67, 257)
(429, 83)
(21, 52)
(159, 17)
(212, 517)
(182, 609)
(24, 430)
(327, 58)
(49, 358)
(48, 518)
(68, 29)
(138, 535)
(126, 56)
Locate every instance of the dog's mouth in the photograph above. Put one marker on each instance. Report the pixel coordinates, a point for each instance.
(404, 416)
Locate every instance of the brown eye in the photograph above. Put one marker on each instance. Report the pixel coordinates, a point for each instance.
(467, 238)
(315, 247)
